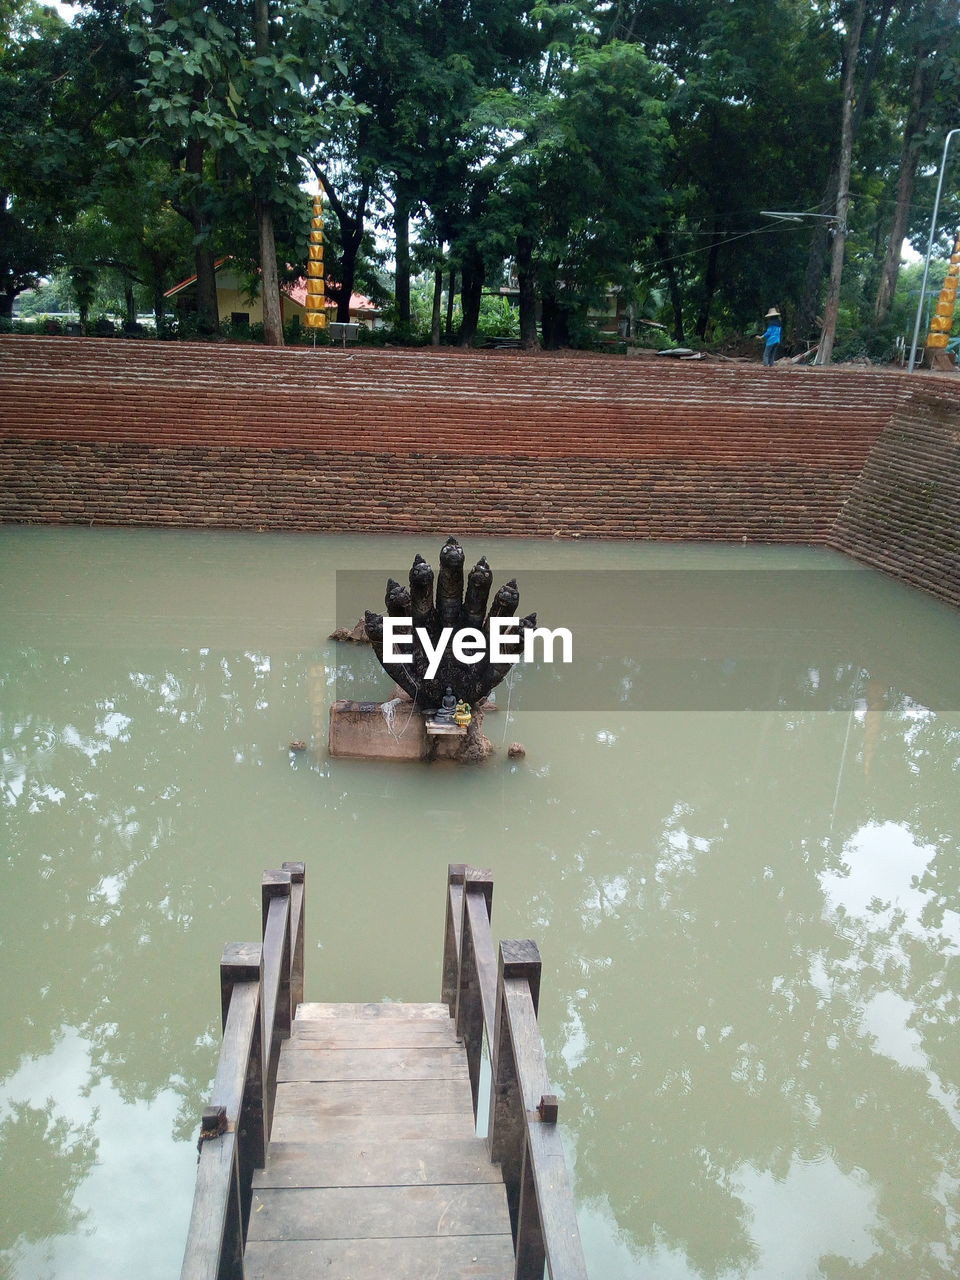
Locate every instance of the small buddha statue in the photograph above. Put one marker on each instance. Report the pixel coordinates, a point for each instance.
(463, 715)
(447, 707)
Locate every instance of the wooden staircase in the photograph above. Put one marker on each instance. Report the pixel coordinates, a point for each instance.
(340, 1139)
(373, 1167)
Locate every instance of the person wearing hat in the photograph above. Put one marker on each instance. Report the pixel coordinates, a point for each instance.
(772, 337)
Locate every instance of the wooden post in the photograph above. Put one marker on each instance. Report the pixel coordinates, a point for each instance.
(529, 1248)
(275, 890)
(214, 1248)
(506, 1135)
(240, 962)
(475, 945)
(221, 1202)
(297, 901)
(243, 962)
(451, 936)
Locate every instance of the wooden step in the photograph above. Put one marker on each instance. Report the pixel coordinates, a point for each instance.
(374, 1169)
(311, 1011)
(383, 1097)
(357, 1163)
(299, 1060)
(414, 1126)
(486, 1257)
(372, 1033)
(357, 1213)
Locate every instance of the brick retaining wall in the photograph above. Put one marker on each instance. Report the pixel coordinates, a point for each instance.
(100, 431)
(903, 514)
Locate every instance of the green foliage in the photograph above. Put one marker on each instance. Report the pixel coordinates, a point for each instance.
(576, 146)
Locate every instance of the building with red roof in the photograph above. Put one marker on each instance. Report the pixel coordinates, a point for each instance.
(236, 302)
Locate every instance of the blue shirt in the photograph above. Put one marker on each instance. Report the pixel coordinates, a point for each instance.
(774, 331)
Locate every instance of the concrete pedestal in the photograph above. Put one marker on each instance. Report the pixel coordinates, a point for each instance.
(363, 731)
(390, 731)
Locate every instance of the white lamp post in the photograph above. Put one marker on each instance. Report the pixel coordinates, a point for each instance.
(926, 261)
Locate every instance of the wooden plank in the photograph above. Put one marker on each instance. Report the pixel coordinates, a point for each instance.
(399, 1033)
(528, 1051)
(426, 1127)
(215, 1211)
(297, 877)
(421, 1258)
(367, 1164)
(355, 1213)
(310, 1010)
(216, 1205)
(558, 1218)
(486, 958)
(451, 935)
(298, 1062)
(386, 1097)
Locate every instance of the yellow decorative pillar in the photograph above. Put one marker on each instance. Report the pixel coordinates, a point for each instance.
(942, 321)
(316, 301)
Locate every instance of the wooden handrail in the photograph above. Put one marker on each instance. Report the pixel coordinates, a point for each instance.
(500, 996)
(260, 986)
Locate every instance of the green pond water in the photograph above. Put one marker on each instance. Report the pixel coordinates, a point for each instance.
(736, 843)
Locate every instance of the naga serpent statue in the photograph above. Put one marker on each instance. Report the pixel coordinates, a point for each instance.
(458, 610)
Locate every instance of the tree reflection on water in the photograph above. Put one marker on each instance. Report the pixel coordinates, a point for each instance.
(769, 1021)
(748, 920)
(43, 1159)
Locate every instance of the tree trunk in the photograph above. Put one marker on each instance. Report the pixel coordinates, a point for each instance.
(269, 276)
(401, 231)
(159, 301)
(208, 314)
(528, 294)
(8, 297)
(808, 326)
(901, 215)
(351, 238)
(808, 319)
(925, 76)
(437, 305)
(554, 322)
(343, 291)
(709, 283)
(451, 293)
(130, 304)
(832, 308)
(471, 292)
(662, 243)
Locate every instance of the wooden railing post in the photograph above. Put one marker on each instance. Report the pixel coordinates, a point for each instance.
(476, 968)
(518, 961)
(259, 983)
(529, 1248)
(275, 891)
(243, 962)
(451, 936)
(297, 902)
(231, 1134)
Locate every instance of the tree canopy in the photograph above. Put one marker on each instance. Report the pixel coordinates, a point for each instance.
(583, 158)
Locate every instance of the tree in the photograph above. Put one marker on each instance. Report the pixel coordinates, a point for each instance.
(228, 92)
(744, 83)
(578, 189)
(931, 29)
(844, 166)
(39, 151)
